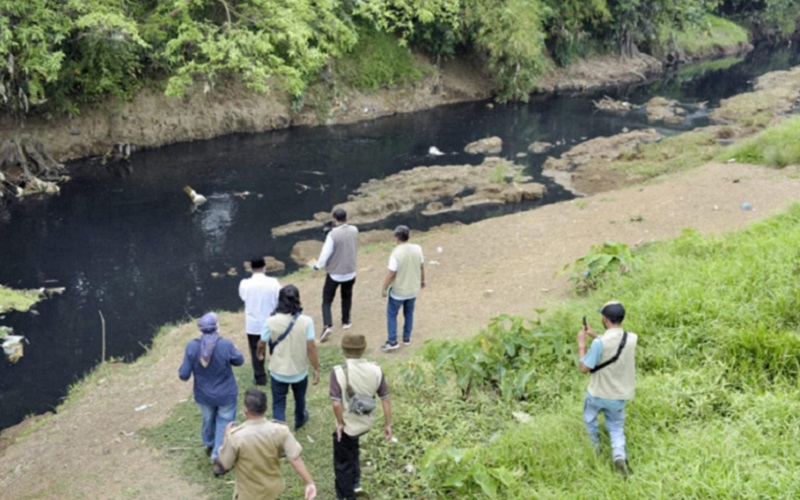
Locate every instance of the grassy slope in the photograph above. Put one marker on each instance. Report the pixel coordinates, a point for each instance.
(712, 35)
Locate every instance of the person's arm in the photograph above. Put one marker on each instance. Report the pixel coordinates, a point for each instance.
(227, 453)
(261, 347)
(237, 359)
(311, 350)
(325, 253)
(387, 281)
(300, 467)
(422, 275)
(241, 290)
(185, 370)
(582, 353)
(387, 413)
(338, 412)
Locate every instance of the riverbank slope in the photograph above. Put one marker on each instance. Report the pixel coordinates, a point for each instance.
(94, 448)
(151, 119)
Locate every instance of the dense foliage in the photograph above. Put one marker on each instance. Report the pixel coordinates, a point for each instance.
(65, 53)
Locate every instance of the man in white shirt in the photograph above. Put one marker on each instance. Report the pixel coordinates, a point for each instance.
(260, 295)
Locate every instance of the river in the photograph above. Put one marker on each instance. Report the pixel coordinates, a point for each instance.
(131, 253)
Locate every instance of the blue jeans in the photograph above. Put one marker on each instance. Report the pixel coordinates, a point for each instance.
(392, 308)
(215, 419)
(279, 392)
(615, 423)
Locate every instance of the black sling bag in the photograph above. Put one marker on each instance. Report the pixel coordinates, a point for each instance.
(289, 329)
(616, 356)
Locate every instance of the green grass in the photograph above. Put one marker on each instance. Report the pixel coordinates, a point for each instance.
(710, 35)
(377, 61)
(776, 146)
(672, 154)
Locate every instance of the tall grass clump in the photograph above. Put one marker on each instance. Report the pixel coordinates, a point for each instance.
(377, 61)
(776, 146)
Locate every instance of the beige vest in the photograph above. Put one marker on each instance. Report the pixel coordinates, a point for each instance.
(617, 380)
(408, 279)
(365, 378)
(290, 356)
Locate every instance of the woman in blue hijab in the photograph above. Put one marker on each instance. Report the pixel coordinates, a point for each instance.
(210, 358)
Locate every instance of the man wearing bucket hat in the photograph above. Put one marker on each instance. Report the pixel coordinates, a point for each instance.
(210, 358)
(611, 363)
(353, 387)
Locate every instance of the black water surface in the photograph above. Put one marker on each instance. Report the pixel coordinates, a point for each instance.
(125, 244)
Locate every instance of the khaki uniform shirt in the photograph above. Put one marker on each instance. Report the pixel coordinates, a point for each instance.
(255, 447)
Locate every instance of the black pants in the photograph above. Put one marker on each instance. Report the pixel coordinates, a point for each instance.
(346, 466)
(329, 292)
(259, 374)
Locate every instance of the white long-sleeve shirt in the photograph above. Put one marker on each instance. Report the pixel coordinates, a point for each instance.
(260, 295)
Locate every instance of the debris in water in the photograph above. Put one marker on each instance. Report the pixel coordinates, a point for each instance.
(12, 346)
(197, 199)
(434, 151)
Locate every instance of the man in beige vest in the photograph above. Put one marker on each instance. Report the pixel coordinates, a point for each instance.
(364, 379)
(255, 448)
(404, 279)
(611, 361)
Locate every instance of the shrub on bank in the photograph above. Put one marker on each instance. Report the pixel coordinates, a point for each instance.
(775, 147)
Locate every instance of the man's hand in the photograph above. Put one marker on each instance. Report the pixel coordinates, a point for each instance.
(311, 491)
(339, 429)
(387, 432)
(383, 293)
(316, 377)
(261, 350)
(229, 428)
(581, 338)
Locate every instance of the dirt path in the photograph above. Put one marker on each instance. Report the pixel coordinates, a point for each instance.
(93, 448)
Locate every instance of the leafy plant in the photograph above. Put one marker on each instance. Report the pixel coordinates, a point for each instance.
(602, 260)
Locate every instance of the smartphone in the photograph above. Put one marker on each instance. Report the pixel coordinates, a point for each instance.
(585, 324)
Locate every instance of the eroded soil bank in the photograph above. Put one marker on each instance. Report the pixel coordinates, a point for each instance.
(152, 120)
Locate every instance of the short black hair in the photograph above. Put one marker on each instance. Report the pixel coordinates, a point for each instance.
(401, 233)
(256, 402)
(340, 215)
(289, 300)
(614, 312)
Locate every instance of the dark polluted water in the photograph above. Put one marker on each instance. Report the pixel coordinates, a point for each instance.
(129, 251)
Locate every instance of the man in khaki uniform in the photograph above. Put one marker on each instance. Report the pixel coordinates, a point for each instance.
(365, 379)
(255, 447)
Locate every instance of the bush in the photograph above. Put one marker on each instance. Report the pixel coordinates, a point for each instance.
(377, 61)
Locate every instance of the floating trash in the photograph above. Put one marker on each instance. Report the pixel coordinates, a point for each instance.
(13, 347)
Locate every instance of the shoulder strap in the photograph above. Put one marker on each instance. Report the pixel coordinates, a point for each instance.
(616, 356)
(283, 336)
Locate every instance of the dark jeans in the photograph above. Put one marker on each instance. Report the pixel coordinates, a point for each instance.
(259, 375)
(329, 292)
(346, 466)
(279, 392)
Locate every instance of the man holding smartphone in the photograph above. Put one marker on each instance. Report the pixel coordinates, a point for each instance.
(611, 363)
